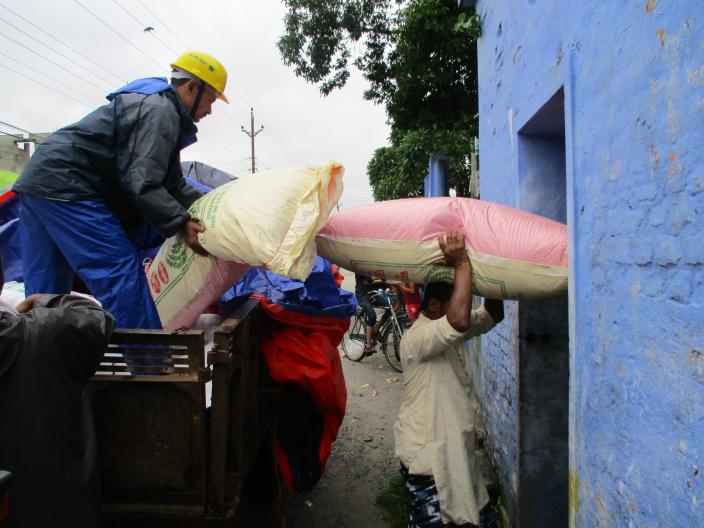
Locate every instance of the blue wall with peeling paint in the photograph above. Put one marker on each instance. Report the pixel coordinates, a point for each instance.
(632, 73)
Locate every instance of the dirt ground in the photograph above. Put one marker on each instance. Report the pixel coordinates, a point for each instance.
(362, 460)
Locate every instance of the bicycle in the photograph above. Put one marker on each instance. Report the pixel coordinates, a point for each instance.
(391, 330)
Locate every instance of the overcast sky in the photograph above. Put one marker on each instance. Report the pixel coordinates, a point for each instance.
(300, 126)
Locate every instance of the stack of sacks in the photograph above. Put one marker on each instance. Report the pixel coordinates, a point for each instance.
(268, 219)
(514, 254)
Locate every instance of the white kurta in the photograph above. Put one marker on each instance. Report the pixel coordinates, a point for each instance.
(437, 424)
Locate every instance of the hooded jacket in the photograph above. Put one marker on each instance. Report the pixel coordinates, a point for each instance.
(126, 153)
(47, 436)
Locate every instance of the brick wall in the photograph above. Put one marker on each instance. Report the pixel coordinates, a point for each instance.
(499, 399)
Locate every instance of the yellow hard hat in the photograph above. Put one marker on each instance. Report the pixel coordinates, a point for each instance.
(206, 67)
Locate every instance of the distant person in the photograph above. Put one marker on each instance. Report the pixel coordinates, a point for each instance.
(100, 195)
(396, 290)
(436, 430)
(410, 294)
(49, 348)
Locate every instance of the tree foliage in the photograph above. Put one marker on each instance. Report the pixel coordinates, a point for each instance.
(321, 37)
(419, 61)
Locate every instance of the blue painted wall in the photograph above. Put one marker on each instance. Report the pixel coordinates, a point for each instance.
(632, 73)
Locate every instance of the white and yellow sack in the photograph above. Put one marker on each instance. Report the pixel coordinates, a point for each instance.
(268, 219)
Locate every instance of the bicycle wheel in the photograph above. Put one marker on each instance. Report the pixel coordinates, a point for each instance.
(354, 340)
(391, 347)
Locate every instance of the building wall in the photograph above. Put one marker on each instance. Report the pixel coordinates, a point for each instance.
(632, 76)
(12, 159)
(500, 399)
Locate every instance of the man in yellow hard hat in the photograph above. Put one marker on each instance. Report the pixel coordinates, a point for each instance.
(99, 196)
(199, 80)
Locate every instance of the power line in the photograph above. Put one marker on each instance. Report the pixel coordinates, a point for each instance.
(12, 135)
(222, 158)
(144, 27)
(250, 105)
(13, 126)
(226, 112)
(115, 31)
(243, 108)
(270, 154)
(51, 61)
(45, 75)
(274, 136)
(276, 139)
(291, 156)
(219, 141)
(77, 52)
(163, 23)
(229, 116)
(224, 148)
(138, 21)
(118, 33)
(271, 159)
(46, 45)
(52, 88)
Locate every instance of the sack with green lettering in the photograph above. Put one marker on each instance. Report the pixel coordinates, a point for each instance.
(268, 219)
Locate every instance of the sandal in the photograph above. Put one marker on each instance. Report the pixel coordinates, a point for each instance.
(369, 350)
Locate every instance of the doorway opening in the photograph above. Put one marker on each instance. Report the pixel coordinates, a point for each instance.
(543, 352)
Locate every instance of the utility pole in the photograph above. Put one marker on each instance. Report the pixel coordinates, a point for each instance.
(251, 133)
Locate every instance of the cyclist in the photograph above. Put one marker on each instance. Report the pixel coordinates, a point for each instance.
(364, 285)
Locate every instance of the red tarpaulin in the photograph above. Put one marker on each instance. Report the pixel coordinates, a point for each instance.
(302, 349)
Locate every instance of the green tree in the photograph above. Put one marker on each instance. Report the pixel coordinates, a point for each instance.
(321, 36)
(419, 60)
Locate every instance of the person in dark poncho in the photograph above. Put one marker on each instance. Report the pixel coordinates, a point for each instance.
(100, 195)
(48, 352)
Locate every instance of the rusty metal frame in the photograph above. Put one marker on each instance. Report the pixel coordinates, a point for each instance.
(219, 453)
(235, 426)
(178, 356)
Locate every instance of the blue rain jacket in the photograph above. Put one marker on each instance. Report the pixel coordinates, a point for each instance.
(126, 154)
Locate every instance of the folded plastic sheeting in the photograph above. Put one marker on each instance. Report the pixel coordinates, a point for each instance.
(205, 175)
(318, 295)
(514, 254)
(301, 352)
(305, 324)
(268, 219)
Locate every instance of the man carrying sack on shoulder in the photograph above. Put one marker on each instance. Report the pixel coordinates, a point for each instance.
(438, 421)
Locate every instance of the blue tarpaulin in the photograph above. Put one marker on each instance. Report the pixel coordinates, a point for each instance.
(10, 239)
(317, 296)
(208, 176)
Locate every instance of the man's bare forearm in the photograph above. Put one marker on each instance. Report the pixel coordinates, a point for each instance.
(460, 304)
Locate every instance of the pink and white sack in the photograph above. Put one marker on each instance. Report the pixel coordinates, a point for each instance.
(514, 254)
